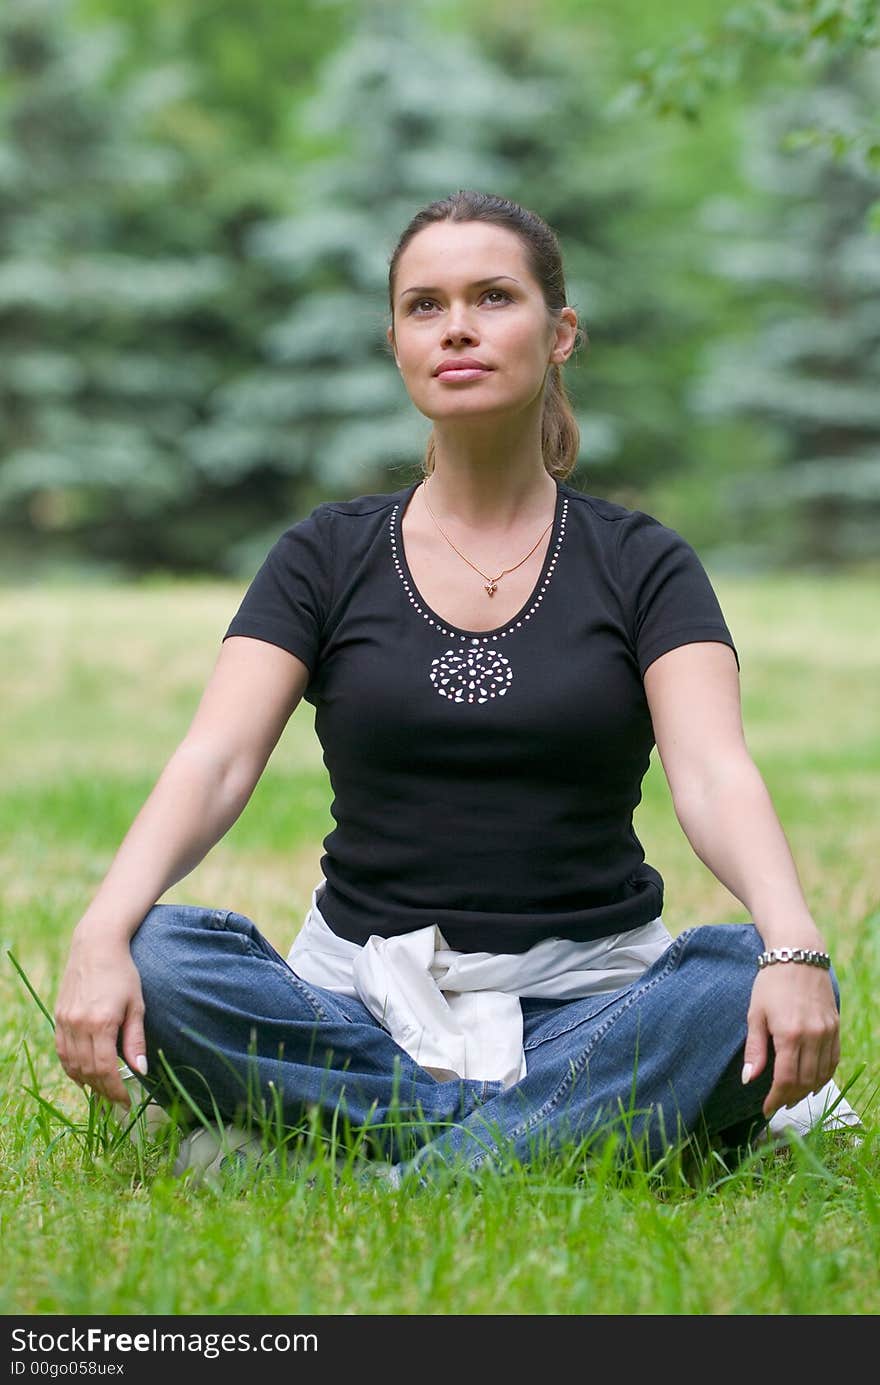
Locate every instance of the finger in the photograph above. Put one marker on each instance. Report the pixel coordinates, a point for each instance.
(67, 1058)
(827, 1048)
(784, 1090)
(76, 1061)
(95, 1071)
(107, 1079)
(87, 1059)
(809, 1068)
(755, 1051)
(61, 1047)
(826, 1064)
(134, 1043)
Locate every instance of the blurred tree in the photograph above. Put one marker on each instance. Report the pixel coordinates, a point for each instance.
(124, 305)
(193, 340)
(183, 371)
(252, 59)
(803, 256)
(751, 42)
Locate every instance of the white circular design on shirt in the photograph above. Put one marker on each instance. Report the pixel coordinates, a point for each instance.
(471, 675)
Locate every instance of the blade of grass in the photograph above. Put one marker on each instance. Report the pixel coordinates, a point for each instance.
(45, 1126)
(18, 967)
(53, 1110)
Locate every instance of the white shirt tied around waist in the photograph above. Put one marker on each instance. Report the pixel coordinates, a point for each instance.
(458, 1013)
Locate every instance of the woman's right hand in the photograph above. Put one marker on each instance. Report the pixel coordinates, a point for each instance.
(100, 1000)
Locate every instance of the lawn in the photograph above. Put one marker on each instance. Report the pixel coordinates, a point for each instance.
(98, 687)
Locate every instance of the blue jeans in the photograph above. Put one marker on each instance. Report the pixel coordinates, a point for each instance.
(655, 1061)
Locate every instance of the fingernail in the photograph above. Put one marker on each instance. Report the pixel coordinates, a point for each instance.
(747, 1073)
(141, 1063)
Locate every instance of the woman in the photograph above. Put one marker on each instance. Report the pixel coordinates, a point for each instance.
(491, 655)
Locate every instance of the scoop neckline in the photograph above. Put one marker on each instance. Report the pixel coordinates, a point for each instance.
(549, 557)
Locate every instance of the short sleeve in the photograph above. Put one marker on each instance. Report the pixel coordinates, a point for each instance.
(288, 600)
(666, 591)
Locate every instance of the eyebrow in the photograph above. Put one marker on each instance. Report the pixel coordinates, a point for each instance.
(477, 284)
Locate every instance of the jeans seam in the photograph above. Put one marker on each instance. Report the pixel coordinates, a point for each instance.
(576, 1067)
(305, 991)
(536, 1042)
(219, 919)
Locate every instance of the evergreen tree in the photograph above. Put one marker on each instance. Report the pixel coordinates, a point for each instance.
(250, 58)
(193, 340)
(123, 305)
(810, 370)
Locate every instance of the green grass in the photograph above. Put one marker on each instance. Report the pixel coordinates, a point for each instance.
(98, 687)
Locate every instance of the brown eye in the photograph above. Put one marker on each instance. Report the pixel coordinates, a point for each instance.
(419, 301)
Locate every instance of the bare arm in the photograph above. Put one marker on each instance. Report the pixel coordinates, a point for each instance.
(204, 787)
(727, 815)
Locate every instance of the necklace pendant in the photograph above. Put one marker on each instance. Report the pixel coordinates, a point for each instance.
(491, 588)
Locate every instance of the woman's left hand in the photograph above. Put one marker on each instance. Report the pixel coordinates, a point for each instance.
(793, 1004)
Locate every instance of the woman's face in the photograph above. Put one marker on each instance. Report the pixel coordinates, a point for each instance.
(463, 290)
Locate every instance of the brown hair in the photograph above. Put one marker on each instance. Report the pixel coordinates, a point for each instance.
(560, 435)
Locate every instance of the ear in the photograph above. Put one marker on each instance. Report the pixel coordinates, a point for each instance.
(390, 335)
(565, 336)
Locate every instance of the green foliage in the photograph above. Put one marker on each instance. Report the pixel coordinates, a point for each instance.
(747, 46)
(810, 369)
(119, 305)
(197, 210)
(763, 35)
(254, 61)
(196, 352)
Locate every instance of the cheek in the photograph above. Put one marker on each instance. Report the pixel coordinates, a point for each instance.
(413, 352)
(524, 346)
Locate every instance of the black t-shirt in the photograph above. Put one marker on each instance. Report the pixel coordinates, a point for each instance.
(483, 781)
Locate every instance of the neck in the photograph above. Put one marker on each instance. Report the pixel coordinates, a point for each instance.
(484, 484)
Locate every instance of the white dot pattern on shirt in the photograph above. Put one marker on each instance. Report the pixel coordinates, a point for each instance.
(474, 676)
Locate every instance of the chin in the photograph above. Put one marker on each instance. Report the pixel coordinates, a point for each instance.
(475, 415)
(471, 404)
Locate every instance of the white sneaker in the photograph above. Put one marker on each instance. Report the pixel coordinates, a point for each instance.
(223, 1157)
(825, 1108)
(213, 1154)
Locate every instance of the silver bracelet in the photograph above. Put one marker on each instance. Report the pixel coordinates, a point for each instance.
(795, 954)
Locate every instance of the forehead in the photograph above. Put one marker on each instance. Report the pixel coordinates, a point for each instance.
(465, 250)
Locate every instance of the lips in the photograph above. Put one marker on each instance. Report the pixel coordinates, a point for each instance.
(461, 363)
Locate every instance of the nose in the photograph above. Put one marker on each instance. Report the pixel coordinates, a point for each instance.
(458, 328)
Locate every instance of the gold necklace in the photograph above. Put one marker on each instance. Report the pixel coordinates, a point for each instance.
(491, 583)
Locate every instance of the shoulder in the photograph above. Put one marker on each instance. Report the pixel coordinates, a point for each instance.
(624, 530)
(332, 521)
(364, 506)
